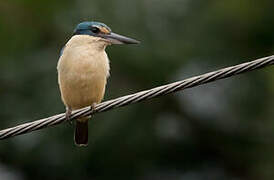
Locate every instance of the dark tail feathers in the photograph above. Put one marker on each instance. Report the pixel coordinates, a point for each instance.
(81, 133)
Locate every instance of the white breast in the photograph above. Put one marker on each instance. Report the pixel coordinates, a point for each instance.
(83, 69)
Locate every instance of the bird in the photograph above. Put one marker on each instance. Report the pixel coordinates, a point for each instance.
(83, 68)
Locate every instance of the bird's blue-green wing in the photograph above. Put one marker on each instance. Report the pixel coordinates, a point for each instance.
(62, 50)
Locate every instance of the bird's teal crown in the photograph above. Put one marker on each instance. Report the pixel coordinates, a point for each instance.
(91, 28)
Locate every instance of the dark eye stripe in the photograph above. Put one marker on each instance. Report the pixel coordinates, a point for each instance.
(95, 30)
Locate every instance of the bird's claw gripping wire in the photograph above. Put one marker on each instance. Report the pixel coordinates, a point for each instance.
(68, 113)
(92, 109)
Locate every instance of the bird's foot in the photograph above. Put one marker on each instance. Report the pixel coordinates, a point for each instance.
(92, 107)
(68, 113)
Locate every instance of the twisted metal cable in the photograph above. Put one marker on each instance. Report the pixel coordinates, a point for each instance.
(140, 96)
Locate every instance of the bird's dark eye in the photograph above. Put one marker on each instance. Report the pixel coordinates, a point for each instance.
(95, 30)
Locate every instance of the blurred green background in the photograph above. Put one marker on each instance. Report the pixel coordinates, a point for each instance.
(219, 131)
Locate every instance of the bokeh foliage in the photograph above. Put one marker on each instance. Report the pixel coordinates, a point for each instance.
(223, 130)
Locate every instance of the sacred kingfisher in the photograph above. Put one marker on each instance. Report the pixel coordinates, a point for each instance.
(83, 69)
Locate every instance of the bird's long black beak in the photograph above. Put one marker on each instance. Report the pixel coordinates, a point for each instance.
(114, 38)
